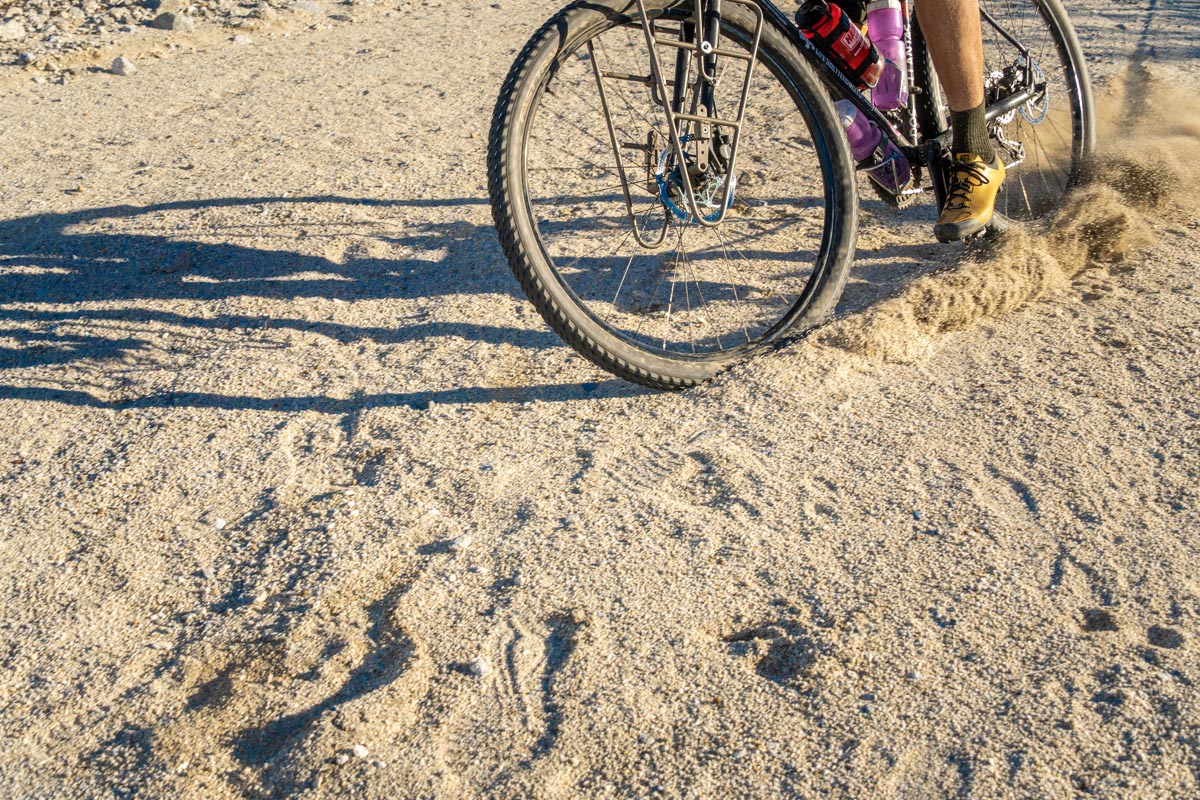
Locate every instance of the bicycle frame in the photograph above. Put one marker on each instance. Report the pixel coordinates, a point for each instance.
(698, 42)
(832, 74)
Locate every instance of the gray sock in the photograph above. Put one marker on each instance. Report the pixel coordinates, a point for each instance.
(970, 133)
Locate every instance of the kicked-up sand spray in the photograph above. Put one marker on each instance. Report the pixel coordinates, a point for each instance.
(1148, 171)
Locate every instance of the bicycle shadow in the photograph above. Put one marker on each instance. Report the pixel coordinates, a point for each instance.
(103, 269)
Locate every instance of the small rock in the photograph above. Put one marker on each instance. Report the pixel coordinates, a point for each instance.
(171, 21)
(219, 523)
(123, 66)
(341, 758)
(519, 579)
(359, 751)
(12, 31)
(208, 573)
(461, 543)
(479, 668)
(379, 764)
(242, 38)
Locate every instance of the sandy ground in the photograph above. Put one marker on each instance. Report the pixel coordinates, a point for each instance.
(285, 451)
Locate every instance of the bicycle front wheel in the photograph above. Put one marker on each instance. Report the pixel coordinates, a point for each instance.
(1046, 141)
(670, 315)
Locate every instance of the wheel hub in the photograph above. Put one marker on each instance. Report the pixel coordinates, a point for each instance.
(708, 187)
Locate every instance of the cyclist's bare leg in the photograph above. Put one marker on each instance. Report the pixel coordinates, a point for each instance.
(952, 31)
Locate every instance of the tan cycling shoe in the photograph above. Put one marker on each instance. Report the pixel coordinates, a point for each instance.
(971, 199)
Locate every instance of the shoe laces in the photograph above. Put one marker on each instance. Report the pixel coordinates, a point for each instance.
(967, 175)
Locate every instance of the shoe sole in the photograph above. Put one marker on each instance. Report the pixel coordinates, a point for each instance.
(957, 231)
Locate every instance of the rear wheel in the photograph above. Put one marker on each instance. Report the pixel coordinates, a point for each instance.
(707, 297)
(1046, 141)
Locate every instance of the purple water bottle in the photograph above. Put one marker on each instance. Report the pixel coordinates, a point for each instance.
(885, 26)
(876, 155)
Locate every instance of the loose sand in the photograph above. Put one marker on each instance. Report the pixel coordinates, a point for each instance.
(301, 499)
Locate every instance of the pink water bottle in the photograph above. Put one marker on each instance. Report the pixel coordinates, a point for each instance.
(876, 155)
(885, 26)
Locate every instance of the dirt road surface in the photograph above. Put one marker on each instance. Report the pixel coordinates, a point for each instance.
(300, 498)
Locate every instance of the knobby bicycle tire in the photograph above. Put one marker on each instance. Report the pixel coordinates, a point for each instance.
(535, 231)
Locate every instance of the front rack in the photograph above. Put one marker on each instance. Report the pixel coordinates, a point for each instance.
(699, 125)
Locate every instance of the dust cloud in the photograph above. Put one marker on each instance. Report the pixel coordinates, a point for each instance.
(1148, 158)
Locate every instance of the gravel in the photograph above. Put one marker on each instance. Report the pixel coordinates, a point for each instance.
(40, 35)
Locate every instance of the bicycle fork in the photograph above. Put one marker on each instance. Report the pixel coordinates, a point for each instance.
(696, 127)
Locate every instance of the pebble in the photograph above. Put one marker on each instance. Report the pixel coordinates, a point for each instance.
(170, 21)
(379, 764)
(242, 38)
(479, 668)
(12, 31)
(341, 758)
(359, 751)
(461, 543)
(219, 523)
(519, 579)
(123, 66)
(208, 573)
